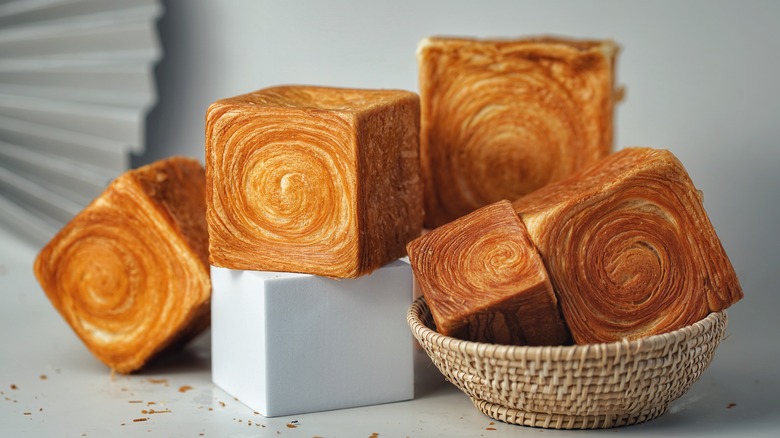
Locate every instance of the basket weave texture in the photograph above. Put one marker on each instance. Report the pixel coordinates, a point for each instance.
(573, 387)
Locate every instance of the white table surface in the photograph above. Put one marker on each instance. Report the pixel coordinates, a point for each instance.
(50, 385)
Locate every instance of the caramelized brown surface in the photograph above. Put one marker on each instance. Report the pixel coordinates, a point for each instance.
(130, 272)
(503, 118)
(629, 247)
(315, 180)
(484, 281)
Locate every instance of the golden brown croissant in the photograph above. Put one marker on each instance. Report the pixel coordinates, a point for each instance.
(316, 180)
(484, 280)
(130, 272)
(502, 118)
(629, 247)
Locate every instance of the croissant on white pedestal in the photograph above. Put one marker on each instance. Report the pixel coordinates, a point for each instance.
(316, 180)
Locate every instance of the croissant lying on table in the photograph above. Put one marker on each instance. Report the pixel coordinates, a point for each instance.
(130, 273)
(626, 242)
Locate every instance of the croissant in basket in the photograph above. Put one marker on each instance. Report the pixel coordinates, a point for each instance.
(629, 248)
(501, 118)
(485, 282)
(130, 272)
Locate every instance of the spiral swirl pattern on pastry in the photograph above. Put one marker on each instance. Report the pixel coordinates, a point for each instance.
(130, 272)
(629, 248)
(297, 190)
(285, 189)
(484, 280)
(503, 118)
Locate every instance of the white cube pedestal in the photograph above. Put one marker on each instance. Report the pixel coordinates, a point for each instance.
(285, 343)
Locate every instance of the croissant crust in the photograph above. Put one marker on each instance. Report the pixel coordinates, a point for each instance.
(130, 272)
(501, 118)
(484, 280)
(317, 180)
(629, 247)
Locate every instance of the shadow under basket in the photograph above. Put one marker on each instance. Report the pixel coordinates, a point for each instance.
(573, 387)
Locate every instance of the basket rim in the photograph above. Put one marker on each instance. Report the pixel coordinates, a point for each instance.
(426, 335)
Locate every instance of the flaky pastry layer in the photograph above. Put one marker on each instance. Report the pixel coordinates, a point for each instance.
(484, 280)
(629, 248)
(130, 272)
(502, 118)
(316, 180)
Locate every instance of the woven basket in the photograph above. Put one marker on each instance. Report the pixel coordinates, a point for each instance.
(573, 387)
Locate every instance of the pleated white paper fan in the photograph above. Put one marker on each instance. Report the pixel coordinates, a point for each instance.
(76, 82)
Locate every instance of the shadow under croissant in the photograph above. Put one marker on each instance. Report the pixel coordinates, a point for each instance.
(191, 357)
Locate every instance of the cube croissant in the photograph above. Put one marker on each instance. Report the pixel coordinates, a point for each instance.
(314, 180)
(502, 118)
(484, 280)
(629, 247)
(130, 272)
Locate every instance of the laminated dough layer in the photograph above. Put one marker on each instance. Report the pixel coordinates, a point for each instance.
(130, 272)
(484, 280)
(629, 248)
(314, 180)
(501, 118)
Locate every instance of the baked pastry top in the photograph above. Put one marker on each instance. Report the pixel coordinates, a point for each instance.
(484, 280)
(317, 180)
(501, 118)
(130, 272)
(629, 248)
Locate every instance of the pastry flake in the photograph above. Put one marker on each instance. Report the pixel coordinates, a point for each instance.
(629, 247)
(484, 280)
(501, 118)
(316, 180)
(130, 272)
